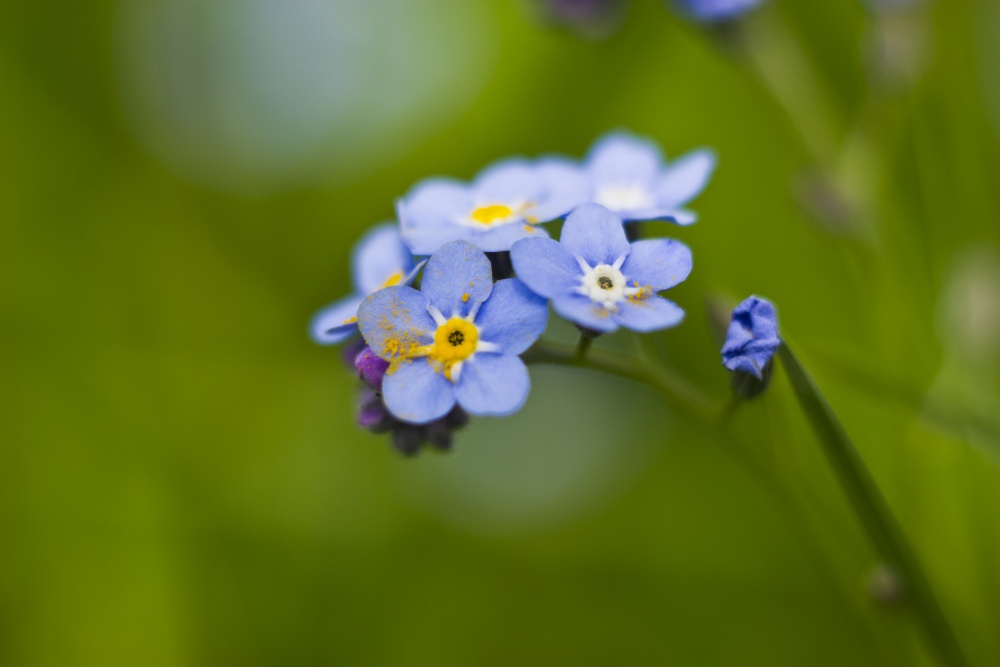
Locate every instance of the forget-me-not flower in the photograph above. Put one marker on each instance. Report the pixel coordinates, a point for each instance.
(380, 260)
(596, 279)
(629, 176)
(455, 340)
(710, 11)
(752, 337)
(503, 204)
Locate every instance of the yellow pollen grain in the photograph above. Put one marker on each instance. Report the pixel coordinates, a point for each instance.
(529, 229)
(394, 279)
(351, 320)
(487, 215)
(465, 298)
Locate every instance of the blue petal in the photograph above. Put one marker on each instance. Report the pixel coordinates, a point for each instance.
(649, 314)
(580, 310)
(394, 320)
(507, 182)
(513, 317)
(658, 263)
(677, 216)
(416, 393)
(685, 178)
(336, 322)
(545, 266)
(595, 234)
(457, 277)
(566, 187)
(493, 385)
(428, 214)
(379, 256)
(744, 364)
(502, 237)
(620, 158)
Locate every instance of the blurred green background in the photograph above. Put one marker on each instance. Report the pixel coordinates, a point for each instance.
(181, 480)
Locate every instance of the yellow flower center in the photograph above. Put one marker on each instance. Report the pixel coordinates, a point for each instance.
(487, 215)
(454, 342)
(394, 279)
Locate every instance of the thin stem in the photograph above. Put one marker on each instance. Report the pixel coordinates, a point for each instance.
(582, 346)
(873, 511)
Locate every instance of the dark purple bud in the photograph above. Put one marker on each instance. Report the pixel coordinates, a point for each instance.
(407, 439)
(372, 413)
(371, 368)
(440, 436)
(457, 418)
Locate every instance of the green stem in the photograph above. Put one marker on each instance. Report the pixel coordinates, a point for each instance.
(872, 510)
(583, 345)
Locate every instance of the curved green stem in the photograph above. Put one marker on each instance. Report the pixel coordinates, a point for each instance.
(872, 510)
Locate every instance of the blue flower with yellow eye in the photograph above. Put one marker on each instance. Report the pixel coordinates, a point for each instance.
(629, 176)
(457, 340)
(597, 279)
(752, 337)
(710, 11)
(380, 260)
(505, 203)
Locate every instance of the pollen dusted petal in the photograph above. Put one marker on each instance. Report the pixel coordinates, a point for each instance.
(333, 323)
(648, 314)
(395, 322)
(416, 393)
(456, 270)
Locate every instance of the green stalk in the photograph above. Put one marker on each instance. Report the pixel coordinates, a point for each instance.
(872, 510)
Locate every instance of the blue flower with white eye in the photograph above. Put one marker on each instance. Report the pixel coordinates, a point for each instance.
(629, 177)
(752, 337)
(454, 341)
(503, 204)
(710, 11)
(380, 260)
(596, 279)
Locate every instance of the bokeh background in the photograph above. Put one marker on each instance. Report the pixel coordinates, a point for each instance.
(181, 480)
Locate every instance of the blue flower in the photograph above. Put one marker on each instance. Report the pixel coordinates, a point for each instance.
(503, 204)
(456, 340)
(380, 260)
(629, 177)
(596, 279)
(752, 337)
(710, 11)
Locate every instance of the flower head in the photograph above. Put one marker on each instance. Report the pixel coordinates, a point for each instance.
(629, 177)
(711, 11)
(598, 280)
(380, 260)
(454, 341)
(503, 204)
(752, 337)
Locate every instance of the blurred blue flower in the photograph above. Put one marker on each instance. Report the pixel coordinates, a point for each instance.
(629, 176)
(596, 279)
(503, 204)
(456, 340)
(380, 260)
(752, 337)
(710, 11)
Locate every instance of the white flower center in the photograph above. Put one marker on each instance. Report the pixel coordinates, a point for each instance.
(607, 286)
(624, 197)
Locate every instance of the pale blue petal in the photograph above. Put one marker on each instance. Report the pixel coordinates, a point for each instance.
(336, 322)
(493, 385)
(414, 392)
(657, 263)
(507, 182)
(685, 178)
(595, 234)
(379, 256)
(395, 319)
(649, 314)
(502, 237)
(677, 216)
(620, 158)
(513, 317)
(428, 214)
(581, 310)
(566, 186)
(457, 277)
(545, 266)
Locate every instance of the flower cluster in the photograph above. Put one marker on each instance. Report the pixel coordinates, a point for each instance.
(451, 347)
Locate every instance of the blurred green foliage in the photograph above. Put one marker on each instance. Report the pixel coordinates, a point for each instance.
(181, 482)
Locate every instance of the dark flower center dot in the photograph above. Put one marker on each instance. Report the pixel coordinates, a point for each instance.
(605, 283)
(456, 338)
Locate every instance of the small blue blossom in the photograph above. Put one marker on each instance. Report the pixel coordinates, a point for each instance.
(380, 260)
(454, 341)
(596, 279)
(503, 204)
(710, 11)
(752, 337)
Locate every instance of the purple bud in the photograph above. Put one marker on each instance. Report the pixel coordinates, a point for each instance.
(408, 438)
(371, 368)
(372, 413)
